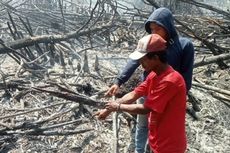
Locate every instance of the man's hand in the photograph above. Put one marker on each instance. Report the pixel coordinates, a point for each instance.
(112, 90)
(112, 106)
(102, 114)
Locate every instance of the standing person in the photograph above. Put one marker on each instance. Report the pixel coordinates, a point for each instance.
(180, 57)
(165, 101)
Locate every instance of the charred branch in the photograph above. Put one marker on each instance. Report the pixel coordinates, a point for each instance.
(48, 39)
(212, 59)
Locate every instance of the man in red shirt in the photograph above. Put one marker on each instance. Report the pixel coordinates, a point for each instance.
(165, 102)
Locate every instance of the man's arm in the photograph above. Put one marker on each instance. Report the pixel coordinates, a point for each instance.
(129, 98)
(125, 104)
(124, 76)
(126, 99)
(127, 72)
(187, 62)
(130, 108)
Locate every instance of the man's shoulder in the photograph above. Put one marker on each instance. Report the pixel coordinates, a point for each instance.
(184, 41)
(173, 77)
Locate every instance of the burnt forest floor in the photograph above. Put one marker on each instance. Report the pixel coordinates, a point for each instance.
(209, 133)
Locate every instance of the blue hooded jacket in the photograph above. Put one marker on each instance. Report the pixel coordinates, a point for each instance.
(180, 50)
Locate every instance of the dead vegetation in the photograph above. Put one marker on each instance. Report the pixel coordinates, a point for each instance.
(58, 57)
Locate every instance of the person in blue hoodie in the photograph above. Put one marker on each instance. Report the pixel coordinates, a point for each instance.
(180, 57)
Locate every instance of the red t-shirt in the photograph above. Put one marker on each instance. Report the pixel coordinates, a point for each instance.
(166, 97)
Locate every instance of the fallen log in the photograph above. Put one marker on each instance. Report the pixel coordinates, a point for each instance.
(222, 98)
(30, 41)
(48, 133)
(212, 59)
(82, 99)
(36, 124)
(204, 86)
(32, 110)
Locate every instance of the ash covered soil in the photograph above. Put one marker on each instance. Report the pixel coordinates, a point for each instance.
(209, 133)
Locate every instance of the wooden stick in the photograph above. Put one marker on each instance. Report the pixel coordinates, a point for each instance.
(48, 133)
(77, 122)
(32, 110)
(115, 132)
(81, 99)
(201, 85)
(222, 98)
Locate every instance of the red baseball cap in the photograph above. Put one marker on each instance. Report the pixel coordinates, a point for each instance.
(149, 43)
